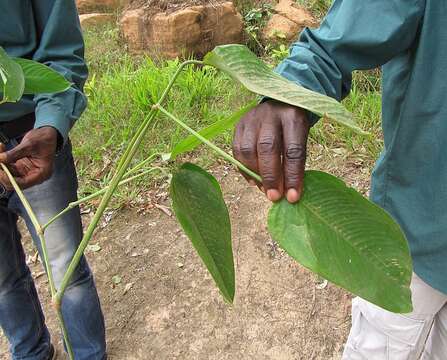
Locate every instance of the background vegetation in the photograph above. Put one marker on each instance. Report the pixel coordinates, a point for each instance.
(122, 87)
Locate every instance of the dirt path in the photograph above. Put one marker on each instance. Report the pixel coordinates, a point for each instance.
(173, 310)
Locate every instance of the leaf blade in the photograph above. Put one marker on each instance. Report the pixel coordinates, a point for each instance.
(244, 66)
(201, 211)
(210, 132)
(349, 241)
(41, 79)
(12, 79)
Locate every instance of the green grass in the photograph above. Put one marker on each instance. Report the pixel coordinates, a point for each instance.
(122, 88)
(366, 107)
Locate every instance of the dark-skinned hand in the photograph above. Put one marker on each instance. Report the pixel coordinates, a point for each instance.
(271, 140)
(31, 162)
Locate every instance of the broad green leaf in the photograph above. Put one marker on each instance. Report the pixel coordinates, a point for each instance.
(12, 81)
(191, 142)
(199, 207)
(243, 66)
(40, 78)
(337, 233)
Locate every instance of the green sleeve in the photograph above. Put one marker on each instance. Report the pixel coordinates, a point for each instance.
(61, 47)
(355, 35)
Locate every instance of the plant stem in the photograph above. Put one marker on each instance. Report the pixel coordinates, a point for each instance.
(160, 101)
(222, 153)
(174, 78)
(109, 191)
(129, 154)
(40, 233)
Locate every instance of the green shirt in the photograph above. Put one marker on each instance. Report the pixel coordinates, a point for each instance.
(46, 31)
(409, 39)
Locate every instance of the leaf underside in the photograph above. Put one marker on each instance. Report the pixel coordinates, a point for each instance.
(245, 67)
(199, 207)
(337, 233)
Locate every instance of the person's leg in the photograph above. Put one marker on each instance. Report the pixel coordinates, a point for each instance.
(436, 348)
(80, 305)
(21, 316)
(378, 334)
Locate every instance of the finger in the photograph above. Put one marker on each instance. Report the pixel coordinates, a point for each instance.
(295, 143)
(245, 145)
(31, 178)
(20, 151)
(2, 147)
(4, 180)
(269, 159)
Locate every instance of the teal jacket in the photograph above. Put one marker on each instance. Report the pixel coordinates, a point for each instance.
(46, 31)
(408, 38)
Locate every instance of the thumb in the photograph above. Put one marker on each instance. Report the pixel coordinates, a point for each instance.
(11, 156)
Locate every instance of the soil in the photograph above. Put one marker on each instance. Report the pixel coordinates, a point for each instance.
(167, 307)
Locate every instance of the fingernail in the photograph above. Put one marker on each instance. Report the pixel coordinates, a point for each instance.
(273, 195)
(292, 196)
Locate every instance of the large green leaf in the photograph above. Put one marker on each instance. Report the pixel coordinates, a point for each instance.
(243, 65)
(337, 233)
(215, 129)
(199, 207)
(12, 81)
(40, 78)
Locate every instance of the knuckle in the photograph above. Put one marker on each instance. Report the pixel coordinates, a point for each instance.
(247, 149)
(269, 178)
(28, 143)
(295, 152)
(267, 144)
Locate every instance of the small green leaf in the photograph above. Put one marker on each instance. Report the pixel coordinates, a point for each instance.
(243, 66)
(94, 248)
(40, 78)
(199, 207)
(337, 233)
(116, 279)
(12, 80)
(191, 142)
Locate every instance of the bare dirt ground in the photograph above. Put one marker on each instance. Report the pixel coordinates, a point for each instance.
(167, 307)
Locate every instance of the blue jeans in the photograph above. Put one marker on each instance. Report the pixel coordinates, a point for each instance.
(21, 316)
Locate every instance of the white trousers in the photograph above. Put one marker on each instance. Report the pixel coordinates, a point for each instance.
(377, 334)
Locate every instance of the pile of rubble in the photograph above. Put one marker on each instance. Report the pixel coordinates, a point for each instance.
(181, 28)
(177, 31)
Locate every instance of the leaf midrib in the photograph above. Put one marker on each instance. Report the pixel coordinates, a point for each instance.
(340, 234)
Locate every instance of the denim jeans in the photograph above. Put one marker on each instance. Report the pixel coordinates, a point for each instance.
(21, 316)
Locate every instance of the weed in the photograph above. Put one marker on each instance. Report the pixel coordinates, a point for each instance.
(255, 20)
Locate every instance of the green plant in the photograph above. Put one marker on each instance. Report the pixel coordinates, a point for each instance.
(279, 54)
(333, 230)
(255, 20)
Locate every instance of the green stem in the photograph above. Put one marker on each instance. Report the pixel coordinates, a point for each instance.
(160, 101)
(64, 332)
(40, 233)
(141, 164)
(72, 205)
(222, 153)
(121, 168)
(174, 78)
(104, 203)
